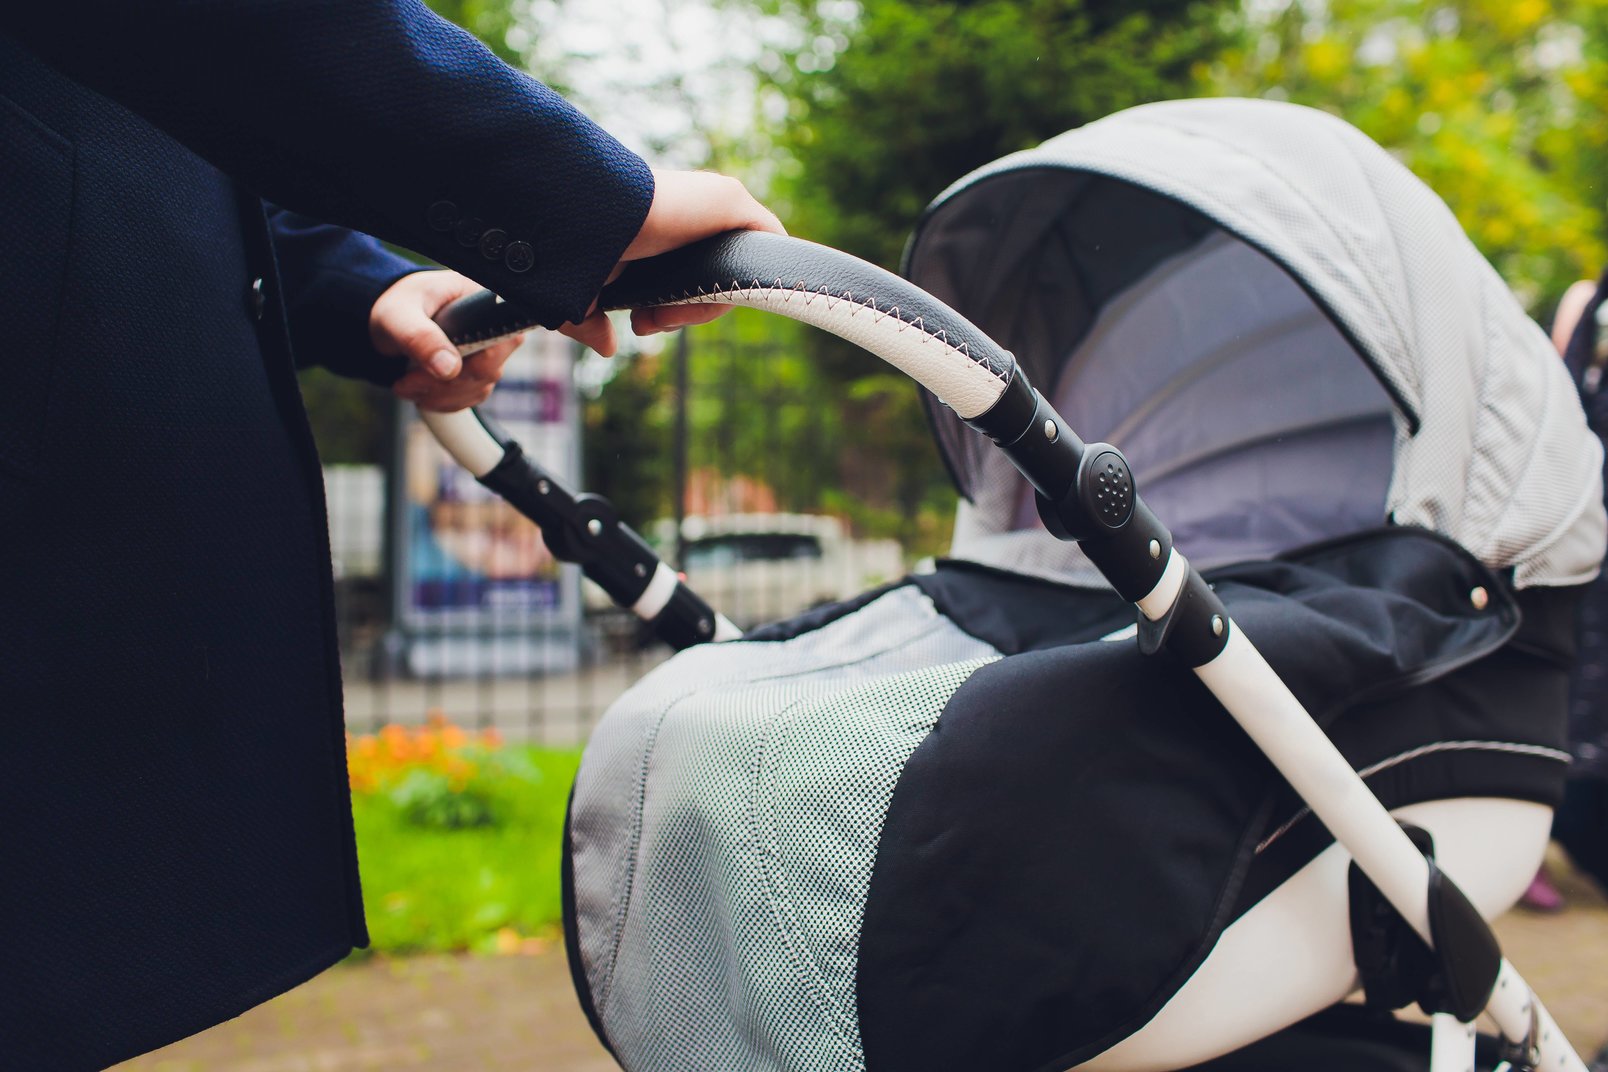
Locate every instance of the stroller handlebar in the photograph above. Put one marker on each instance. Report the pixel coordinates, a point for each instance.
(827, 288)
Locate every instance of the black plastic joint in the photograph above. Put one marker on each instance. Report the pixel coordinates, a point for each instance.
(1037, 439)
(686, 620)
(1398, 968)
(623, 565)
(1195, 628)
(534, 493)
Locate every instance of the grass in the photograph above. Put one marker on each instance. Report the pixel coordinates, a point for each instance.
(459, 845)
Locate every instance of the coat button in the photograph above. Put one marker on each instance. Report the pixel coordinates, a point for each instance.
(519, 257)
(468, 231)
(259, 298)
(442, 215)
(493, 243)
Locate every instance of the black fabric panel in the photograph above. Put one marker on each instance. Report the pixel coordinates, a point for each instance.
(817, 618)
(572, 936)
(1062, 851)
(1346, 1038)
(1516, 695)
(1014, 613)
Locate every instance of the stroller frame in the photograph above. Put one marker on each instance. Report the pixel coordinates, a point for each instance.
(1085, 492)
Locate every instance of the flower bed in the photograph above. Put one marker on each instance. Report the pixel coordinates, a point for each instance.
(458, 838)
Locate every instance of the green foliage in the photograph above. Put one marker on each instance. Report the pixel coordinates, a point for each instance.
(886, 107)
(350, 418)
(489, 20)
(447, 869)
(493, 794)
(914, 95)
(1496, 104)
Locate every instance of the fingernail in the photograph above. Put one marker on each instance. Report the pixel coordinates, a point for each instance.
(443, 364)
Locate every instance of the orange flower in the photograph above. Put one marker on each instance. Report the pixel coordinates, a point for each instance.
(377, 760)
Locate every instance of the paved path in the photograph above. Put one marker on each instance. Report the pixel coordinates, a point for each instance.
(501, 1014)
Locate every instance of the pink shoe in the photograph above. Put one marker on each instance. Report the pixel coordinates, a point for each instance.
(1542, 895)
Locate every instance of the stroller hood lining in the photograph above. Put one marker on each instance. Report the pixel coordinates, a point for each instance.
(1250, 421)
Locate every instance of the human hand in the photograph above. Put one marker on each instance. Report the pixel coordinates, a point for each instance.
(687, 206)
(401, 325)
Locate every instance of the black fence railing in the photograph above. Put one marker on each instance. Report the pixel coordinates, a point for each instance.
(768, 491)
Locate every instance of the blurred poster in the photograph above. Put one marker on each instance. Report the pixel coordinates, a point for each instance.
(480, 591)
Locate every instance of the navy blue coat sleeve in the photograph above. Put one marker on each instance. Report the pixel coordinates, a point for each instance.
(377, 115)
(330, 278)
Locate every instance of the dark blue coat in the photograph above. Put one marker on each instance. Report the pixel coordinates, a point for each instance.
(175, 832)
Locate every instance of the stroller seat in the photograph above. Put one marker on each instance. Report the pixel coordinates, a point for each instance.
(962, 822)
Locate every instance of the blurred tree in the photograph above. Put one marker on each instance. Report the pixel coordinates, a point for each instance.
(490, 20)
(889, 101)
(878, 105)
(1498, 105)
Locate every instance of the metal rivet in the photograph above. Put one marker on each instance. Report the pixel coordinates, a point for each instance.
(595, 527)
(1480, 598)
(1217, 625)
(1155, 548)
(1051, 432)
(543, 487)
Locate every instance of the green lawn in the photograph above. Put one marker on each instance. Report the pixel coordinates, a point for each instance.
(470, 864)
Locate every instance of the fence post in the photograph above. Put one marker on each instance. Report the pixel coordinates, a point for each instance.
(679, 447)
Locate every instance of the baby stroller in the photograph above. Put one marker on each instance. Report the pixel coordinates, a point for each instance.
(984, 819)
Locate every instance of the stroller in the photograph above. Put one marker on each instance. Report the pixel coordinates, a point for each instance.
(984, 819)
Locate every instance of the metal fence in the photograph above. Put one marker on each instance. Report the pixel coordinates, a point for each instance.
(714, 449)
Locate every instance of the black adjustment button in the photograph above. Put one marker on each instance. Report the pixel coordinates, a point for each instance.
(519, 257)
(442, 215)
(493, 243)
(258, 298)
(468, 231)
(1107, 487)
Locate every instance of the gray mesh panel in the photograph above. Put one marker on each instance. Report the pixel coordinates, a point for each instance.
(725, 823)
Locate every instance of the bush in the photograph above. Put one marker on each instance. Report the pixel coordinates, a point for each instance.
(458, 838)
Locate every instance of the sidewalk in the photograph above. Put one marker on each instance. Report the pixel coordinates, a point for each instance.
(501, 1014)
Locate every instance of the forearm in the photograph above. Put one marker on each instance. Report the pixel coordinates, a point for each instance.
(368, 113)
(330, 278)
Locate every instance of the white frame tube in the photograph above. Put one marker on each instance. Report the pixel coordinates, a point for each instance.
(1268, 711)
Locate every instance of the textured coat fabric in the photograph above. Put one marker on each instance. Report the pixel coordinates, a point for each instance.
(1588, 692)
(176, 839)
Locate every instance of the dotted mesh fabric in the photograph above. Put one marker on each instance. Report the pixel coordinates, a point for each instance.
(1502, 460)
(725, 823)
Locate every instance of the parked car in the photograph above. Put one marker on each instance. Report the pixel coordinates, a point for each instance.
(757, 568)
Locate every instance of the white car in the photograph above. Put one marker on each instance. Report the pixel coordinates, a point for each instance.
(757, 568)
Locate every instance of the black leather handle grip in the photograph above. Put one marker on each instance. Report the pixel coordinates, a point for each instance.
(816, 284)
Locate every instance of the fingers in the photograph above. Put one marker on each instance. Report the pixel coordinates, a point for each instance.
(669, 317)
(472, 386)
(595, 331)
(400, 322)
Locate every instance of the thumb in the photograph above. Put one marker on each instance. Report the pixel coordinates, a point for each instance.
(422, 341)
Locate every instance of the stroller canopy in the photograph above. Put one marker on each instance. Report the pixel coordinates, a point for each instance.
(1287, 333)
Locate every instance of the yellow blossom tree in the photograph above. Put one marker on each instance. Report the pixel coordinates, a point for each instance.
(1500, 105)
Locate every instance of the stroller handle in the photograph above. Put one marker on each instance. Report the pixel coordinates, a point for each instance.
(817, 285)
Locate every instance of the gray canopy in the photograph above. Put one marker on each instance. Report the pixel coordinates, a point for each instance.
(1287, 333)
